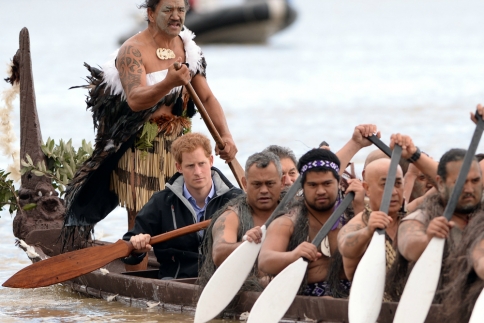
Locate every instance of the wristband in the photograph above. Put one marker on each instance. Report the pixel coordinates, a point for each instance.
(415, 156)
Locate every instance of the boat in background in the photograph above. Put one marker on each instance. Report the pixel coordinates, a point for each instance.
(235, 21)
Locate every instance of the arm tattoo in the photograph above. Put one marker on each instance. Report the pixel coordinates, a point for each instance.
(409, 229)
(218, 230)
(350, 235)
(130, 68)
(136, 52)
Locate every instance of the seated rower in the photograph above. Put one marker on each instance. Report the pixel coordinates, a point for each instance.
(354, 238)
(419, 227)
(192, 195)
(288, 163)
(244, 215)
(465, 268)
(287, 237)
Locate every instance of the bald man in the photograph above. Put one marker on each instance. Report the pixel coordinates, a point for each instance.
(374, 155)
(354, 237)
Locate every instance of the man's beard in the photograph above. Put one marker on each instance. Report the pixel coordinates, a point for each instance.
(466, 209)
(319, 208)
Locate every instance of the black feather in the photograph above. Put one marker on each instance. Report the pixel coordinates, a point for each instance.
(177, 109)
(190, 109)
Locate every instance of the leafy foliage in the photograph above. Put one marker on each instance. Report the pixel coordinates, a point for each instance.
(62, 162)
(8, 194)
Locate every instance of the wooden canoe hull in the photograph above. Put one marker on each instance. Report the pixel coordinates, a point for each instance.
(143, 289)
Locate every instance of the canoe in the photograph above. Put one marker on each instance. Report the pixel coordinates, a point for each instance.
(248, 22)
(252, 21)
(144, 289)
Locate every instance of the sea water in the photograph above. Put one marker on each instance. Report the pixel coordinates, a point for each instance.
(408, 66)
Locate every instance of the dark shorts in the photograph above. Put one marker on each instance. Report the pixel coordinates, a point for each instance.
(324, 288)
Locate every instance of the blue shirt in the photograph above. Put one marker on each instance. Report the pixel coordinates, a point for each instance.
(198, 211)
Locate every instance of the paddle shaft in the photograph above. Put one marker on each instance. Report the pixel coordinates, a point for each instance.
(234, 165)
(180, 232)
(390, 182)
(383, 147)
(295, 187)
(466, 165)
(323, 232)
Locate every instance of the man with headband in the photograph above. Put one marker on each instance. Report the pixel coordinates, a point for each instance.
(288, 237)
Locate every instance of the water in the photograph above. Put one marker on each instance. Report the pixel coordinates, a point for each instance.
(414, 67)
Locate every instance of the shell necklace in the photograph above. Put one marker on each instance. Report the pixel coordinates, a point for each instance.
(163, 53)
(325, 249)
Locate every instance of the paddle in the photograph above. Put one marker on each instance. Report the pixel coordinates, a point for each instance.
(229, 277)
(422, 283)
(234, 165)
(383, 147)
(477, 315)
(276, 298)
(368, 284)
(77, 263)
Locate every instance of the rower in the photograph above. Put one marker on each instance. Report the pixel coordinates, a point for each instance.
(465, 267)
(419, 227)
(288, 163)
(355, 237)
(287, 237)
(192, 195)
(242, 218)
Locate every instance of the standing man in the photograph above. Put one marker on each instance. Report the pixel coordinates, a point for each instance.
(244, 216)
(288, 237)
(193, 195)
(139, 108)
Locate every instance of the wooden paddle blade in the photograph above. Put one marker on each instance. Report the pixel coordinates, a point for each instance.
(276, 298)
(68, 265)
(366, 293)
(421, 285)
(478, 311)
(227, 280)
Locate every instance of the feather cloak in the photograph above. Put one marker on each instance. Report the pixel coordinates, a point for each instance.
(88, 195)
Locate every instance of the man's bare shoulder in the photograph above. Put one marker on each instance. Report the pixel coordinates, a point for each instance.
(357, 219)
(355, 224)
(134, 47)
(228, 216)
(283, 224)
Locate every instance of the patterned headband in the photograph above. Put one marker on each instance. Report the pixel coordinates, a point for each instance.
(320, 163)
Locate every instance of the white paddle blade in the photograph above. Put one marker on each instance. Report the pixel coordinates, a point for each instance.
(273, 303)
(227, 280)
(366, 293)
(477, 315)
(421, 285)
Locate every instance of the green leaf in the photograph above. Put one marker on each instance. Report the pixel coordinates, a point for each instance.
(31, 163)
(24, 163)
(37, 173)
(51, 144)
(30, 206)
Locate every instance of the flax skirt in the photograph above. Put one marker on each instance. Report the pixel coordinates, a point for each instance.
(141, 173)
